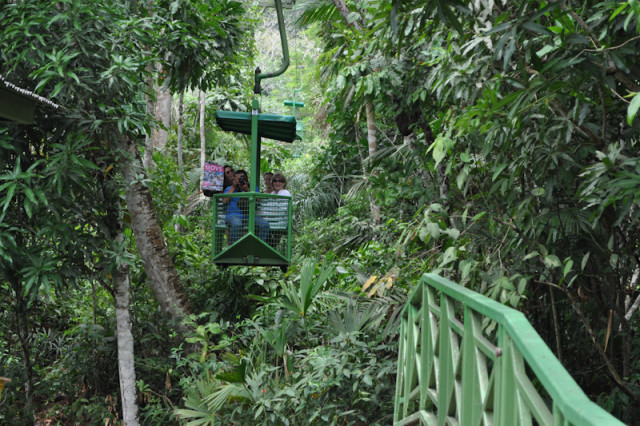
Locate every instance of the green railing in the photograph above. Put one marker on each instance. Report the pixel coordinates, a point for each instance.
(465, 359)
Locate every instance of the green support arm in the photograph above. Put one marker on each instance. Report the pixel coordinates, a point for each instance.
(257, 88)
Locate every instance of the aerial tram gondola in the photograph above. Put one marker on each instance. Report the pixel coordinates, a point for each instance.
(252, 246)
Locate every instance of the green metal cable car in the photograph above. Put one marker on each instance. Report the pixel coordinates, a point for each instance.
(251, 228)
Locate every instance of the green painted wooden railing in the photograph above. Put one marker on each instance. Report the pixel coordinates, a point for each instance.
(465, 359)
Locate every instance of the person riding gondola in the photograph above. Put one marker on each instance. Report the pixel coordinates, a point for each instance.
(237, 214)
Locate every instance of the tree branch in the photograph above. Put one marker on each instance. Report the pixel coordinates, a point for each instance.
(612, 370)
(612, 69)
(344, 12)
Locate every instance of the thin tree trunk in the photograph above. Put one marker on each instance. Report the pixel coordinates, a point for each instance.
(94, 299)
(610, 367)
(203, 141)
(177, 225)
(162, 275)
(627, 345)
(126, 365)
(147, 160)
(24, 337)
(556, 324)
(372, 141)
(180, 118)
(443, 181)
(121, 298)
(372, 134)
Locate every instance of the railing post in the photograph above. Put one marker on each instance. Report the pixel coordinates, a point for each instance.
(472, 395)
(472, 372)
(505, 384)
(447, 354)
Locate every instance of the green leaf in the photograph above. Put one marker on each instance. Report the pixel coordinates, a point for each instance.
(506, 283)
(453, 233)
(478, 216)
(614, 260)
(433, 229)
(585, 259)
(440, 147)
(465, 267)
(9, 196)
(536, 28)
(622, 6)
(462, 176)
(537, 192)
(552, 261)
(633, 108)
(27, 208)
(497, 171)
(29, 193)
(567, 267)
(522, 285)
(57, 89)
(450, 255)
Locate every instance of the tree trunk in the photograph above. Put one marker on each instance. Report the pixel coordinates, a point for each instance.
(162, 275)
(24, 337)
(372, 141)
(443, 182)
(372, 132)
(162, 113)
(177, 226)
(180, 118)
(147, 160)
(372, 135)
(94, 304)
(126, 365)
(203, 141)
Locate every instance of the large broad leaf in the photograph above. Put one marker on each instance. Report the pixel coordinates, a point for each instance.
(633, 108)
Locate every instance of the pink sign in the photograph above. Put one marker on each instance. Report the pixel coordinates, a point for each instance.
(212, 177)
(211, 167)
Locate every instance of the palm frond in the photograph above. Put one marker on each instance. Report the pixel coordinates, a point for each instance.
(393, 305)
(321, 200)
(379, 316)
(196, 410)
(353, 317)
(317, 11)
(226, 393)
(359, 189)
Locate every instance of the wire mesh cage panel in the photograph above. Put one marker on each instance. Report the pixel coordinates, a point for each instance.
(252, 228)
(276, 211)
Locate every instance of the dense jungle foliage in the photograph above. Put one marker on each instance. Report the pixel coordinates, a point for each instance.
(492, 142)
